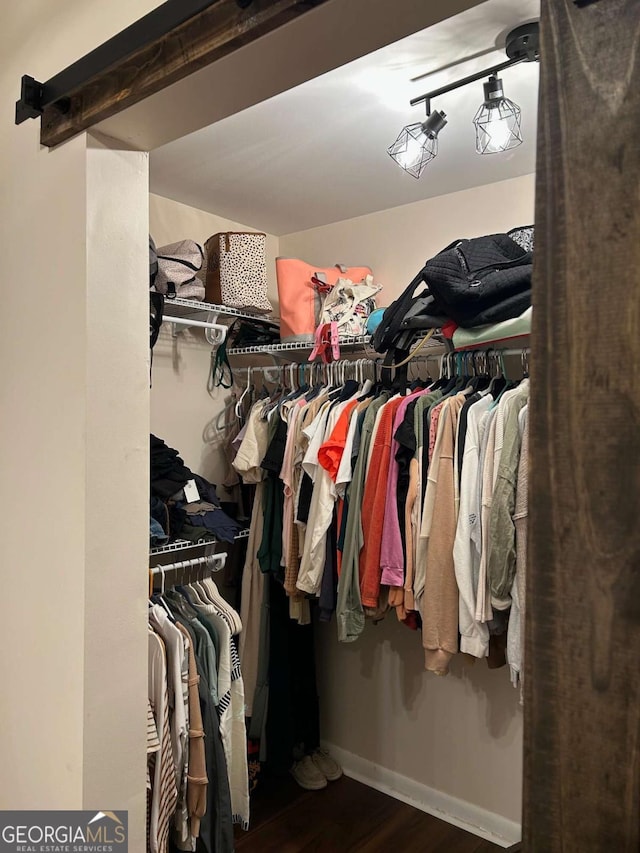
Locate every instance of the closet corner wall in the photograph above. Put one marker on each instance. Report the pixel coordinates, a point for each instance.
(391, 724)
(180, 405)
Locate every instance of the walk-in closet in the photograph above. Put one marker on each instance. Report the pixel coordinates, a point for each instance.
(440, 731)
(334, 380)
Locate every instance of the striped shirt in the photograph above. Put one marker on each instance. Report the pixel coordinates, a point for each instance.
(164, 794)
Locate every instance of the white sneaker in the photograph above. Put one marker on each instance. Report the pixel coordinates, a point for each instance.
(329, 768)
(307, 775)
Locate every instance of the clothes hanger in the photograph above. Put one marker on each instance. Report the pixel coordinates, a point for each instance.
(498, 383)
(192, 586)
(442, 379)
(452, 379)
(158, 599)
(202, 592)
(226, 609)
(248, 390)
(471, 376)
(295, 392)
(483, 373)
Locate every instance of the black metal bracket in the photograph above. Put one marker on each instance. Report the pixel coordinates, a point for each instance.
(30, 103)
(582, 3)
(36, 96)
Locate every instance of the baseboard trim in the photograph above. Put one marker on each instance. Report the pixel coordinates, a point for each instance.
(485, 824)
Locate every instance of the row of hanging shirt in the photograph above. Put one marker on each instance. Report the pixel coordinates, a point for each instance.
(197, 777)
(374, 499)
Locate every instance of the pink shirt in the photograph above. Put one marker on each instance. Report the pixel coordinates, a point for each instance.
(391, 553)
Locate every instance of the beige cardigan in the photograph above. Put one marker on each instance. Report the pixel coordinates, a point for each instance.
(440, 600)
(197, 780)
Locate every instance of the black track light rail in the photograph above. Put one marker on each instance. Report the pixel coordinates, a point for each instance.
(35, 96)
(521, 45)
(458, 84)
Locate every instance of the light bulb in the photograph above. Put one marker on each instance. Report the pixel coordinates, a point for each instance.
(499, 132)
(412, 154)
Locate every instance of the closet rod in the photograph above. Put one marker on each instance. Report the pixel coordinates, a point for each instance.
(218, 328)
(216, 562)
(488, 348)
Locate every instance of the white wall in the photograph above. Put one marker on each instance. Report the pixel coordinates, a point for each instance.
(72, 722)
(116, 475)
(181, 408)
(461, 735)
(396, 242)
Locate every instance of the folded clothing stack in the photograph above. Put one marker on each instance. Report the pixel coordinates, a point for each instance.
(171, 515)
(507, 330)
(169, 474)
(470, 283)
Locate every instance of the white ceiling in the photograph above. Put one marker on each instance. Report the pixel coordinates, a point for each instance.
(317, 153)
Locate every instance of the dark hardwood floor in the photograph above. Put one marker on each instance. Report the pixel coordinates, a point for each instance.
(346, 817)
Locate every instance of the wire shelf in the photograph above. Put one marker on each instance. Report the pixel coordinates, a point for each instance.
(194, 310)
(178, 545)
(359, 340)
(184, 545)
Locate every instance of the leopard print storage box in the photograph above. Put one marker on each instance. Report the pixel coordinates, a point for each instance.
(236, 273)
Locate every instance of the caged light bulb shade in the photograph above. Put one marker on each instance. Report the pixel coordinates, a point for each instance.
(497, 122)
(417, 144)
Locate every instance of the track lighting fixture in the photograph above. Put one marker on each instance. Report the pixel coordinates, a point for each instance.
(417, 144)
(497, 121)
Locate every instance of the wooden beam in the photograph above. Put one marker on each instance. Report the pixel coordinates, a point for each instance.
(582, 690)
(211, 34)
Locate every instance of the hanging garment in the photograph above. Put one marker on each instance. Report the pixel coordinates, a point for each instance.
(270, 551)
(515, 638)
(153, 746)
(164, 792)
(197, 778)
(320, 505)
(440, 617)
(484, 612)
(247, 464)
(392, 557)
(474, 635)
(373, 506)
(289, 530)
(324, 461)
(410, 535)
(230, 705)
(426, 519)
(216, 827)
(349, 609)
(501, 565)
(177, 683)
(300, 444)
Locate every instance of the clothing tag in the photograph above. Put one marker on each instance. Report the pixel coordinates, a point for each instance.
(191, 492)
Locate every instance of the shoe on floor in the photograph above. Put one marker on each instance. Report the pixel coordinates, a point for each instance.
(307, 775)
(329, 768)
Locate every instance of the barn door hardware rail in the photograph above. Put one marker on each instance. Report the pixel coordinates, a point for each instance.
(173, 41)
(35, 96)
